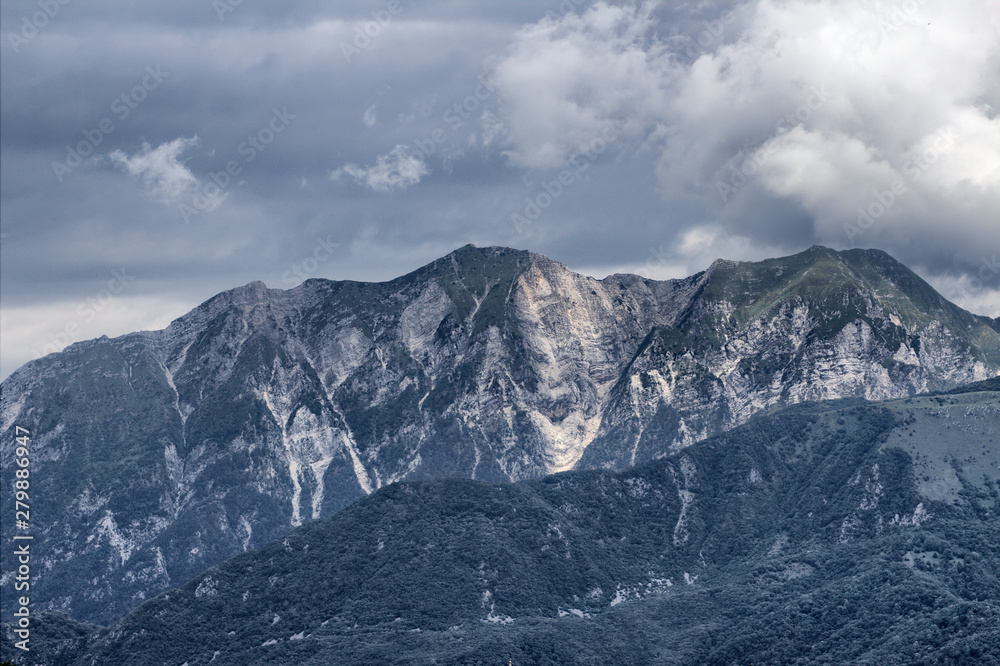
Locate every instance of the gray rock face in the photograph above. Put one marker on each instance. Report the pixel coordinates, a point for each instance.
(159, 454)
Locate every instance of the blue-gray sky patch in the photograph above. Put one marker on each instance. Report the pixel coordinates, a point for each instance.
(194, 147)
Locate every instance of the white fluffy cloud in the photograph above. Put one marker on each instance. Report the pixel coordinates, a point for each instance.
(399, 169)
(857, 124)
(564, 80)
(164, 176)
(907, 131)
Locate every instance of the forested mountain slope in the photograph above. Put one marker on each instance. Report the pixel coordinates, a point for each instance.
(839, 532)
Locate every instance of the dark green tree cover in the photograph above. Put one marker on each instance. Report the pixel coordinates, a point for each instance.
(799, 538)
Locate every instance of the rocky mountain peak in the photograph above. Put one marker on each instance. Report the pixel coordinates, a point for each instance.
(250, 294)
(470, 261)
(169, 451)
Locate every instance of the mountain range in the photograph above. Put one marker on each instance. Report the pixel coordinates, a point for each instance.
(160, 454)
(842, 532)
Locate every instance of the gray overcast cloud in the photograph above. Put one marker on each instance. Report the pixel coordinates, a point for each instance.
(156, 153)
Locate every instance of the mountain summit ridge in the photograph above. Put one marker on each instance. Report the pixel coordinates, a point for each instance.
(461, 258)
(161, 453)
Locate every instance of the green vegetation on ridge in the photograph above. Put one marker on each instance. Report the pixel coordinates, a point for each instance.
(802, 537)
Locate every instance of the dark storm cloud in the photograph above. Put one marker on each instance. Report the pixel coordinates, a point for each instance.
(232, 141)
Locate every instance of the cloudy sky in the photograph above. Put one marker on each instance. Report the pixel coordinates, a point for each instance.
(154, 154)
